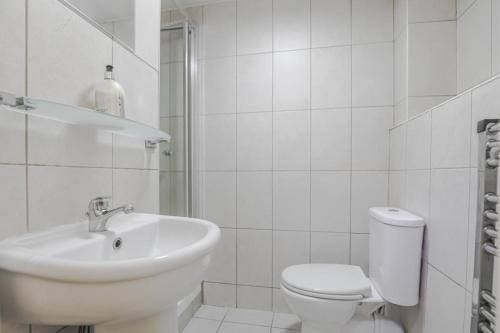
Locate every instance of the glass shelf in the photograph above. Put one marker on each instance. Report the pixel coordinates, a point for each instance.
(83, 117)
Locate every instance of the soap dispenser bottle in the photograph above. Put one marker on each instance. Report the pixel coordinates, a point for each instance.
(109, 95)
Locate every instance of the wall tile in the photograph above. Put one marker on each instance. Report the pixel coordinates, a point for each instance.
(291, 20)
(444, 313)
(418, 192)
(47, 148)
(289, 248)
(255, 83)
(219, 135)
(255, 200)
(53, 53)
(331, 139)
(147, 35)
(397, 189)
(495, 38)
(463, 5)
(219, 198)
(291, 146)
(137, 187)
(12, 37)
(359, 251)
(291, 89)
(419, 104)
(330, 248)
(432, 65)
(219, 294)
(255, 257)
(49, 186)
(474, 45)
(372, 21)
(451, 139)
(12, 137)
(449, 204)
(398, 148)
(140, 83)
(369, 189)
(330, 201)
(255, 141)
(257, 298)
(219, 30)
(400, 17)
(430, 10)
(13, 200)
(370, 138)
(164, 90)
(222, 266)
(176, 93)
(372, 74)
(418, 143)
(331, 77)
(330, 23)
(254, 26)
(401, 111)
(401, 66)
(219, 85)
(291, 198)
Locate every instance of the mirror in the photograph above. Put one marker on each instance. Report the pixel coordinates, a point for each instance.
(115, 17)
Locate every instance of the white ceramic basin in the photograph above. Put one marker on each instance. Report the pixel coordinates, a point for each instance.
(68, 276)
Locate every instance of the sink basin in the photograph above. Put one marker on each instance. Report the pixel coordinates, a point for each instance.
(127, 279)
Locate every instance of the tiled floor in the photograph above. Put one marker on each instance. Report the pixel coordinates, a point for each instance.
(212, 319)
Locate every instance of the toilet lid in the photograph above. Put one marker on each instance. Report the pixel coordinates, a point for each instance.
(330, 281)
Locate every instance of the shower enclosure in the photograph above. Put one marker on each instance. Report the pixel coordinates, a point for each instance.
(177, 100)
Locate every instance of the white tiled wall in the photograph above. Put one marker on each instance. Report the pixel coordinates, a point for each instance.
(48, 170)
(434, 174)
(426, 55)
(297, 97)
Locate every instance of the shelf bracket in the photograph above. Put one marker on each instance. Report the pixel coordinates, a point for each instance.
(8, 99)
(153, 144)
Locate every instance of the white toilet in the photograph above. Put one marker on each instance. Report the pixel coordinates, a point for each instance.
(332, 298)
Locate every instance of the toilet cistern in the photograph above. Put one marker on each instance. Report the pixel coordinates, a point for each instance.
(99, 214)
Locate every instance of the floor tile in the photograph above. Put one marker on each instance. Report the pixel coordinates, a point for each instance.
(211, 312)
(286, 321)
(242, 328)
(253, 317)
(199, 325)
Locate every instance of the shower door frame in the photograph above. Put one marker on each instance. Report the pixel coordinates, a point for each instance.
(189, 76)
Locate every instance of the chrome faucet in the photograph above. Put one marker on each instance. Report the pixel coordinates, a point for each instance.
(99, 214)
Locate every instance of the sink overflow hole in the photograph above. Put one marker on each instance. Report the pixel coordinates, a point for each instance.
(117, 243)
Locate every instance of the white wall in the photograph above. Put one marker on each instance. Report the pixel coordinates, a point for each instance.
(425, 55)
(434, 174)
(48, 170)
(297, 100)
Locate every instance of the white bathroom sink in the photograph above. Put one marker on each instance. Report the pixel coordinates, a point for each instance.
(70, 276)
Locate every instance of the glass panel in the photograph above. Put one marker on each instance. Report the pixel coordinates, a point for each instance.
(80, 116)
(173, 170)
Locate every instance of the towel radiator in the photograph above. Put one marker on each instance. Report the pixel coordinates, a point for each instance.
(483, 301)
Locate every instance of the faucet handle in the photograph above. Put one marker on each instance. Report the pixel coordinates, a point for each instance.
(99, 205)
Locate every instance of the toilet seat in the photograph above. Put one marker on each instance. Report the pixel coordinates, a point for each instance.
(327, 281)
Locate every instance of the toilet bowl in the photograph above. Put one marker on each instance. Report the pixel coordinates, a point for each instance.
(334, 298)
